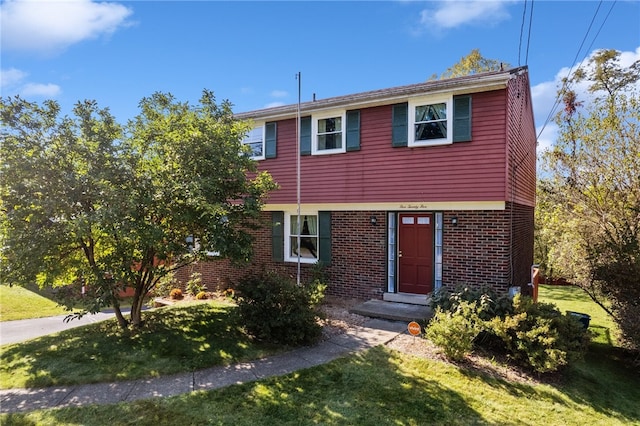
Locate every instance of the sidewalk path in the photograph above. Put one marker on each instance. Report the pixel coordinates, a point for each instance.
(374, 332)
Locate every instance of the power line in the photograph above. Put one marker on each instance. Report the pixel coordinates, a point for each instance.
(526, 58)
(524, 13)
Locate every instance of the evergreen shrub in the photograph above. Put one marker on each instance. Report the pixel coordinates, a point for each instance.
(274, 308)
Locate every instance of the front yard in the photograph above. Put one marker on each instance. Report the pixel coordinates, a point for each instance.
(393, 385)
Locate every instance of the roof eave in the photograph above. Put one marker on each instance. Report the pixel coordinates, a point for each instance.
(457, 86)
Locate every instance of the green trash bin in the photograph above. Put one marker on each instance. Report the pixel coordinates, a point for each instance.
(583, 318)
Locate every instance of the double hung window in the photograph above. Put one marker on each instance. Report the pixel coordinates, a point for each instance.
(430, 122)
(307, 230)
(255, 140)
(329, 133)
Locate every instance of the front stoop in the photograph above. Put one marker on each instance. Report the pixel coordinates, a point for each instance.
(394, 311)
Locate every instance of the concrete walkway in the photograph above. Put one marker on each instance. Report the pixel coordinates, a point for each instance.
(374, 332)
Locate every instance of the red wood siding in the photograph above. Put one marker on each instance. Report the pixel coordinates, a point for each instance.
(522, 144)
(465, 171)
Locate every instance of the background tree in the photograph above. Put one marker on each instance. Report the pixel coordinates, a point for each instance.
(589, 203)
(473, 63)
(87, 202)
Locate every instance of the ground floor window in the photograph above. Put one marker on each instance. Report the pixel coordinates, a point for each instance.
(301, 237)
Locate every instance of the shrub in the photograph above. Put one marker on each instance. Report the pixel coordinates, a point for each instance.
(165, 284)
(201, 296)
(454, 331)
(273, 308)
(175, 293)
(536, 335)
(489, 304)
(539, 336)
(194, 285)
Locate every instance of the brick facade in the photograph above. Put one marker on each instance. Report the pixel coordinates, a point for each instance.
(475, 252)
(483, 249)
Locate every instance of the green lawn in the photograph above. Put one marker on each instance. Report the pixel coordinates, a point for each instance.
(175, 339)
(377, 387)
(570, 298)
(20, 303)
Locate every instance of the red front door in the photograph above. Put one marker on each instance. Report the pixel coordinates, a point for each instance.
(415, 255)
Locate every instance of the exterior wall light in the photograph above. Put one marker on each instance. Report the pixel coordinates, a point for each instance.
(373, 220)
(454, 221)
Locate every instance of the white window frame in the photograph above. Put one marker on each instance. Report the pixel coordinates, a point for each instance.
(314, 132)
(287, 237)
(430, 100)
(255, 127)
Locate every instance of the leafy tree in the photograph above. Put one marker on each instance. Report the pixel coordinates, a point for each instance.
(473, 63)
(589, 205)
(86, 202)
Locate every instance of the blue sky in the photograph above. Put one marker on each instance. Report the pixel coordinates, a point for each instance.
(249, 52)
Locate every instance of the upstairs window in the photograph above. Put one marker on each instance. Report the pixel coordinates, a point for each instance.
(332, 132)
(329, 134)
(430, 122)
(255, 140)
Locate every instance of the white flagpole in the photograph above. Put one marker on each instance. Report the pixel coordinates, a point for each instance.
(298, 125)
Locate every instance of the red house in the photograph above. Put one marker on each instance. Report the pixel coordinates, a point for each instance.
(402, 190)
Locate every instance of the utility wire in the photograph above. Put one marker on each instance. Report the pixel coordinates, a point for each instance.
(526, 58)
(565, 84)
(524, 13)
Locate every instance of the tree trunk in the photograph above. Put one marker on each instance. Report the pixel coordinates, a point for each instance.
(122, 321)
(136, 310)
(138, 300)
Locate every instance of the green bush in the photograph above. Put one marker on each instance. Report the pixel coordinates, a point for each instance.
(536, 335)
(489, 303)
(194, 285)
(454, 331)
(274, 308)
(165, 284)
(539, 336)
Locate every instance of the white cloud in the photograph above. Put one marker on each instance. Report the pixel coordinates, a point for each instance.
(11, 77)
(279, 94)
(453, 13)
(50, 25)
(14, 83)
(274, 104)
(628, 58)
(37, 89)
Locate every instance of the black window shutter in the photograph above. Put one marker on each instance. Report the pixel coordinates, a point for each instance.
(462, 118)
(277, 236)
(400, 125)
(305, 136)
(324, 237)
(270, 140)
(353, 130)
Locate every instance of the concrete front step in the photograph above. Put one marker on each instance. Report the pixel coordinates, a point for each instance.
(393, 311)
